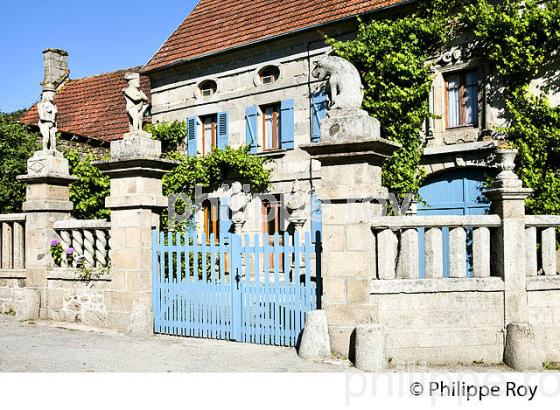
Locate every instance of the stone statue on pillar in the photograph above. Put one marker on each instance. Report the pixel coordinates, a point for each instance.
(48, 118)
(344, 85)
(137, 102)
(345, 118)
(296, 203)
(238, 202)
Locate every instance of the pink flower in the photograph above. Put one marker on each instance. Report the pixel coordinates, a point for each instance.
(55, 242)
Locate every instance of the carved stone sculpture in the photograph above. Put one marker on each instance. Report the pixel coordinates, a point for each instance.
(345, 120)
(48, 118)
(238, 202)
(137, 102)
(344, 85)
(296, 202)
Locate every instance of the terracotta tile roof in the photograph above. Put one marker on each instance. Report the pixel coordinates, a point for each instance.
(92, 107)
(218, 25)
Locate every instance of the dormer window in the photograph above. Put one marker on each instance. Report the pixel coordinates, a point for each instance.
(208, 88)
(269, 74)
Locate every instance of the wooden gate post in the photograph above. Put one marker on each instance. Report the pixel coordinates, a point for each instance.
(135, 202)
(351, 153)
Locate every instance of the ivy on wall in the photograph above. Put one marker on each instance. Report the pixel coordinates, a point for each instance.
(212, 170)
(88, 193)
(391, 54)
(519, 38)
(171, 134)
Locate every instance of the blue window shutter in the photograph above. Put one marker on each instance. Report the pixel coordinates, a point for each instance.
(191, 136)
(316, 218)
(287, 128)
(318, 113)
(223, 130)
(225, 220)
(251, 134)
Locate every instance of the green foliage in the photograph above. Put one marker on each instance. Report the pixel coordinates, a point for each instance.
(212, 170)
(17, 144)
(88, 193)
(391, 54)
(521, 38)
(171, 134)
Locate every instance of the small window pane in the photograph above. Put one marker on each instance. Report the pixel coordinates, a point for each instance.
(471, 98)
(453, 101)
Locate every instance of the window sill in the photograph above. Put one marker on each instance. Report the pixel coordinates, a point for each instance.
(276, 153)
(462, 127)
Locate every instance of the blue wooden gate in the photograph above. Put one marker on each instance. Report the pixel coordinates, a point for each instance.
(250, 290)
(457, 192)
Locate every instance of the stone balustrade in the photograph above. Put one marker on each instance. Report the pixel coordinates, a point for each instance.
(540, 240)
(12, 240)
(401, 254)
(88, 238)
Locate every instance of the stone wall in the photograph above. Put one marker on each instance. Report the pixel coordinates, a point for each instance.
(442, 328)
(72, 298)
(544, 313)
(9, 286)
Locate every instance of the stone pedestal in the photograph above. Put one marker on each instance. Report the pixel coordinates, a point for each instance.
(351, 192)
(135, 201)
(47, 201)
(509, 253)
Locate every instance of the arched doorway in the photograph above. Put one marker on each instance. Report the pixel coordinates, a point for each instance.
(454, 192)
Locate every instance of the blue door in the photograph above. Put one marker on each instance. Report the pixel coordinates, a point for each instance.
(456, 192)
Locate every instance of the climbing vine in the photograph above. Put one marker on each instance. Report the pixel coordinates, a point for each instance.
(171, 134)
(391, 54)
(519, 38)
(88, 193)
(214, 169)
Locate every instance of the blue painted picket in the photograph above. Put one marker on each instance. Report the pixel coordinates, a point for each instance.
(254, 289)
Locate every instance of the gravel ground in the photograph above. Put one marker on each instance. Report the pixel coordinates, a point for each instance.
(55, 347)
(42, 346)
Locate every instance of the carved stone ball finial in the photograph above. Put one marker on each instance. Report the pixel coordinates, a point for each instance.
(48, 114)
(344, 85)
(137, 102)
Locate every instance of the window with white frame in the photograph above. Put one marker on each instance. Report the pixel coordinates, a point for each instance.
(461, 96)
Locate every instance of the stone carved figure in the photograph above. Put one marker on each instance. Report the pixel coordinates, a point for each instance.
(48, 114)
(297, 198)
(238, 202)
(296, 202)
(344, 85)
(137, 102)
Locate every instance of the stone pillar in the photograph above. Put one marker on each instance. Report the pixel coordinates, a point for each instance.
(509, 253)
(135, 201)
(47, 201)
(351, 153)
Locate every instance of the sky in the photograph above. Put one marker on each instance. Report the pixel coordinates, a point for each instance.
(99, 35)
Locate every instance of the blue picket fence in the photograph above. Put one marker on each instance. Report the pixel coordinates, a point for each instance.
(254, 289)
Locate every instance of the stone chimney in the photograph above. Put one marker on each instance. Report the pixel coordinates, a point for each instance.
(56, 70)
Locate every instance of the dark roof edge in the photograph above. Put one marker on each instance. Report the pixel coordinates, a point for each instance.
(188, 60)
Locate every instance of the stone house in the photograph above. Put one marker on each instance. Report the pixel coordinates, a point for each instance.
(250, 83)
(458, 283)
(91, 110)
